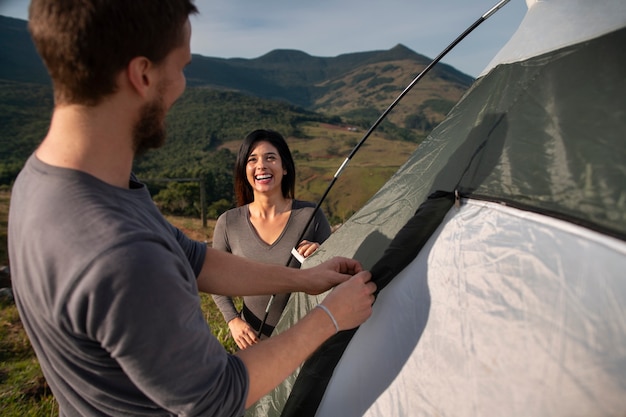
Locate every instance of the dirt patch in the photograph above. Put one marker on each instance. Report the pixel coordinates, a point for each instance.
(5, 277)
(37, 389)
(339, 127)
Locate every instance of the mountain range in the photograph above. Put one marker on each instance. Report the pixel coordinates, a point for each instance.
(288, 90)
(347, 85)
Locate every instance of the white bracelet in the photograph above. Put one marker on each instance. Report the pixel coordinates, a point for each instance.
(323, 307)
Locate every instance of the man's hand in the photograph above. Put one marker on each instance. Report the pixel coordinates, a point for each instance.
(325, 276)
(350, 303)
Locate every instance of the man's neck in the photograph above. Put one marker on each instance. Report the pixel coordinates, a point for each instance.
(90, 139)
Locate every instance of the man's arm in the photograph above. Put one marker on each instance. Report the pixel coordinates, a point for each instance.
(226, 274)
(268, 363)
(271, 361)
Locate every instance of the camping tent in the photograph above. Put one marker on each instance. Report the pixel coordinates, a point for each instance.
(499, 247)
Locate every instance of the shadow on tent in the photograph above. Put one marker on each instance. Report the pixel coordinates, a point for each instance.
(466, 169)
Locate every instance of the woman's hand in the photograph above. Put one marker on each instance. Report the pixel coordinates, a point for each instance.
(306, 248)
(243, 334)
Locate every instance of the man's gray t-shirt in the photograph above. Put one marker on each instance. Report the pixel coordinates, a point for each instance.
(235, 233)
(106, 289)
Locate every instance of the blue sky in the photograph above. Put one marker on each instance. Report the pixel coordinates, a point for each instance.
(327, 28)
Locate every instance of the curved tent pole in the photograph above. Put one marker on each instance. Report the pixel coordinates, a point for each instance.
(294, 252)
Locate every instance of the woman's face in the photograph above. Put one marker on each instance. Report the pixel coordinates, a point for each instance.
(264, 168)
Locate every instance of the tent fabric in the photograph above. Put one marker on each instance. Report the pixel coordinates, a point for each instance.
(317, 370)
(554, 132)
(551, 25)
(515, 304)
(491, 320)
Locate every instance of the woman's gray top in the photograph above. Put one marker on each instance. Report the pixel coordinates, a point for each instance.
(235, 233)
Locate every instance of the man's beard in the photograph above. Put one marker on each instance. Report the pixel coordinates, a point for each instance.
(149, 132)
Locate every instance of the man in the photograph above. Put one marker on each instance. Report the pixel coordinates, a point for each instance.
(106, 288)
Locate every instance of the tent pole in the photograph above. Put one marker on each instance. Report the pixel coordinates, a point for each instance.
(443, 53)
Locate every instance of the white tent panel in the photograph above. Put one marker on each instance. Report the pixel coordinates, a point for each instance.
(503, 313)
(550, 25)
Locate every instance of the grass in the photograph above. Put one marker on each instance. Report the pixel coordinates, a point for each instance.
(23, 389)
(4, 215)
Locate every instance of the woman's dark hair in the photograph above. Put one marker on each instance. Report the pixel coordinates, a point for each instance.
(243, 189)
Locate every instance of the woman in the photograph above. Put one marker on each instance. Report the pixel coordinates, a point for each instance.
(265, 226)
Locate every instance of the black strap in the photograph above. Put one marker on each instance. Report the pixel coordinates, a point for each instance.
(255, 322)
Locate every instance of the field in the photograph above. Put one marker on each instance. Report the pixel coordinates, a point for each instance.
(23, 390)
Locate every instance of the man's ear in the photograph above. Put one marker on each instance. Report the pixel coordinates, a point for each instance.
(140, 72)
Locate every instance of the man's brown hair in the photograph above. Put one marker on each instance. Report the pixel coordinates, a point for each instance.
(86, 43)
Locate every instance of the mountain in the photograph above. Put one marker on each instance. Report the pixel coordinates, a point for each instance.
(356, 85)
(19, 60)
(321, 104)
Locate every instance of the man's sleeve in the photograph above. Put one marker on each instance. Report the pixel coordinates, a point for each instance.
(194, 250)
(146, 313)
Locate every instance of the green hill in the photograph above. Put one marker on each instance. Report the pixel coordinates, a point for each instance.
(18, 58)
(25, 111)
(322, 104)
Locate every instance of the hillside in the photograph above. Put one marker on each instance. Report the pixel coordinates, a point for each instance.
(365, 92)
(18, 58)
(323, 105)
(25, 110)
(355, 84)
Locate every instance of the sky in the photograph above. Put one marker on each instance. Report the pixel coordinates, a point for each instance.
(328, 28)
